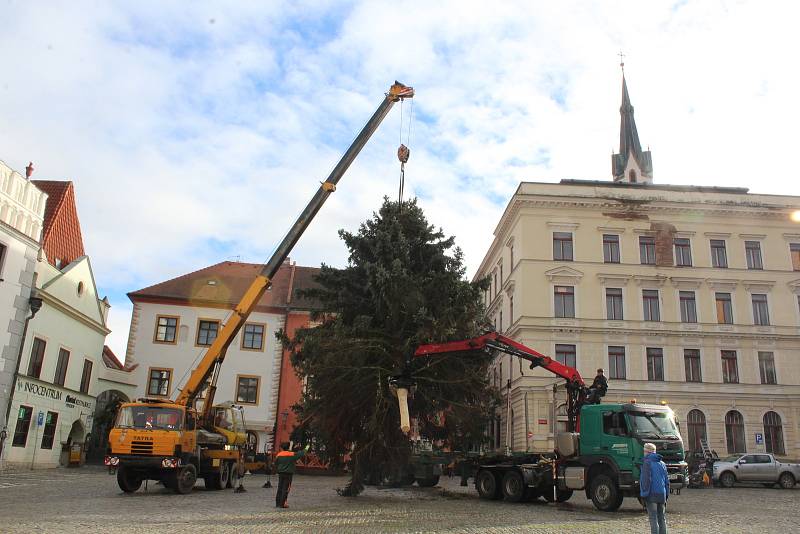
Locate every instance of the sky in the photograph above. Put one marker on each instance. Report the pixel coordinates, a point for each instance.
(196, 132)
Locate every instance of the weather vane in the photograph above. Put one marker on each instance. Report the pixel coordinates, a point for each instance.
(622, 61)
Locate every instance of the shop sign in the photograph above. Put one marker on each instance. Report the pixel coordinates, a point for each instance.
(41, 391)
(72, 401)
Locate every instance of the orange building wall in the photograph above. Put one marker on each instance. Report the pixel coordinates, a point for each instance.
(290, 385)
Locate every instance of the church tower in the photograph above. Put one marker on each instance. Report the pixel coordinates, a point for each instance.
(631, 164)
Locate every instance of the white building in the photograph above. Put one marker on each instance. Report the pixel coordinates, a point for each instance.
(174, 323)
(21, 215)
(62, 368)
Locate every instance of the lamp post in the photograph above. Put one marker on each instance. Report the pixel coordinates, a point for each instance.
(34, 304)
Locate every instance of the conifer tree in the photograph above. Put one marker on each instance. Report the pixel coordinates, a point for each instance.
(404, 285)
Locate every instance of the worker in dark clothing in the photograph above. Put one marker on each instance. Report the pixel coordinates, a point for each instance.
(284, 464)
(598, 388)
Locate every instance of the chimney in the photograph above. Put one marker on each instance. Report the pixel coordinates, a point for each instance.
(29, 170)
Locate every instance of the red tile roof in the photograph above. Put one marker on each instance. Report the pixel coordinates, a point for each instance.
(61, 235)
(111, 360)
(224, 284)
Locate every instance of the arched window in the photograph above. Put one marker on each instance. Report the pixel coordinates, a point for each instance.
(696, 421)
(773, 433)
(632, 176)
(734, 432)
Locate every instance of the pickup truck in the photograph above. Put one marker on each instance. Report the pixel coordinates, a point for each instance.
(762, 467)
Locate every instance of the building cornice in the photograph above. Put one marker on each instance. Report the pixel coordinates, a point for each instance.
(72, 312)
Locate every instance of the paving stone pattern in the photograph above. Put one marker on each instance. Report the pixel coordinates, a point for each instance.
(88, 500)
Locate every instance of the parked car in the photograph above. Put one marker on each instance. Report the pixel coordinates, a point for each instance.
(763, 468)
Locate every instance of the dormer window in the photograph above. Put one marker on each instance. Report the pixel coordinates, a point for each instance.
(632, 176)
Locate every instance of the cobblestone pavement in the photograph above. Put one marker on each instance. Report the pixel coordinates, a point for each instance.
(88, 500)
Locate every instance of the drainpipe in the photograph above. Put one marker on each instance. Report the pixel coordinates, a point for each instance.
(527, 428)
(35, 304)
(508, 409)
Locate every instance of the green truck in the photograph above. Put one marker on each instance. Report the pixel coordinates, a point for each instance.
(603, 459)
(601, 453)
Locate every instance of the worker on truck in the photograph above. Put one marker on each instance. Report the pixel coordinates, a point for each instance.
(285, 465)
(598, 388)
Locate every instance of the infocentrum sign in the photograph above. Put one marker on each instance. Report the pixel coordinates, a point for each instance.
(48, 391)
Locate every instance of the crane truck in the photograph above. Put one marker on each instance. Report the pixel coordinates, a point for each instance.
(601, 452)
(175, 442)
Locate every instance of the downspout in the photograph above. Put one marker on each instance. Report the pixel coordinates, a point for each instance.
(35, 304)
(508, 408)
(527, 428)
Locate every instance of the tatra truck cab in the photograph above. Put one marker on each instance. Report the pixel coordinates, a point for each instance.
(160, 440)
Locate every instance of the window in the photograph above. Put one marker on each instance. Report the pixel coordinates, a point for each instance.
(616, 362)
(253, 337)
(166, 327)
(614, 424)
(688, 307)
(159, 382)
(683, 252)
(511, 253)
(614, 304)
(23, 425)
(565, 354)
(794, 250)
(724, 308)
(760, 311)
(610, 248)
(734, 432)
(494, 275)
(655, 364)
(86, 377)
(37, 358)
(61, 367)
(564, 301)
(647, 250)
(2, 257)
(207, 332)
(696, 421)
(719, 256)
(650, 305)
(752, 250)
(247, 389)
(49, 431)
(562, 246)
(730, 367)
(766, 368)
(511, 309)
(773, 433)
(691, 361)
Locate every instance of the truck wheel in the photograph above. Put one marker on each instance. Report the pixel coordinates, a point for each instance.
(185, 478)
(727, 480)
(128, 480)
(513, 487)
(786, 480)
(562, 495)
(233, 475)
(487, 485)
(605, 494)
(428, 482)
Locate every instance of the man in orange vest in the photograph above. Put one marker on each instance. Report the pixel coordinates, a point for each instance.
(285, 465)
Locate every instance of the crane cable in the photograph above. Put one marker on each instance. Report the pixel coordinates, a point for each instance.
(403, 151)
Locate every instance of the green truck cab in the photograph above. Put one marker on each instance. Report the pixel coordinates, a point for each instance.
(603, 459)
(610, 449)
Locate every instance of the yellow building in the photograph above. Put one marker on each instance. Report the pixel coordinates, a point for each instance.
(683, 294)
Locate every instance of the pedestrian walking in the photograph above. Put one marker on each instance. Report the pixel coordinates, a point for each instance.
(285, 465)
(654, 489)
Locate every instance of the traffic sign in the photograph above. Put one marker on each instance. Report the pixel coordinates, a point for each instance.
(759, 438)
(40, 419)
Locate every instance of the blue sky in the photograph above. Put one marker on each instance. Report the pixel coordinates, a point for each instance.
(196, 132)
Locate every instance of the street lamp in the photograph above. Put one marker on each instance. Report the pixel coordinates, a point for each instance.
(795, 216)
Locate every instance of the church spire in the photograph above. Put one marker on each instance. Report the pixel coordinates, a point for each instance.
(631, 164)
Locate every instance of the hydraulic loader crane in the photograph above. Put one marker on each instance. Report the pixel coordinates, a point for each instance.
(601, 451)
(173, 441)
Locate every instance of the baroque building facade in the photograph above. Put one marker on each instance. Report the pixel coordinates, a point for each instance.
(687, 295)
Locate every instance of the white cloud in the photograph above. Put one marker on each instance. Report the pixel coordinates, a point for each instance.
(198, 133)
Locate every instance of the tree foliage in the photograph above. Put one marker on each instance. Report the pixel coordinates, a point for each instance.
(404, 285)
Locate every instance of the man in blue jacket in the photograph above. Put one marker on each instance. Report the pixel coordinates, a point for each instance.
(654, 488)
